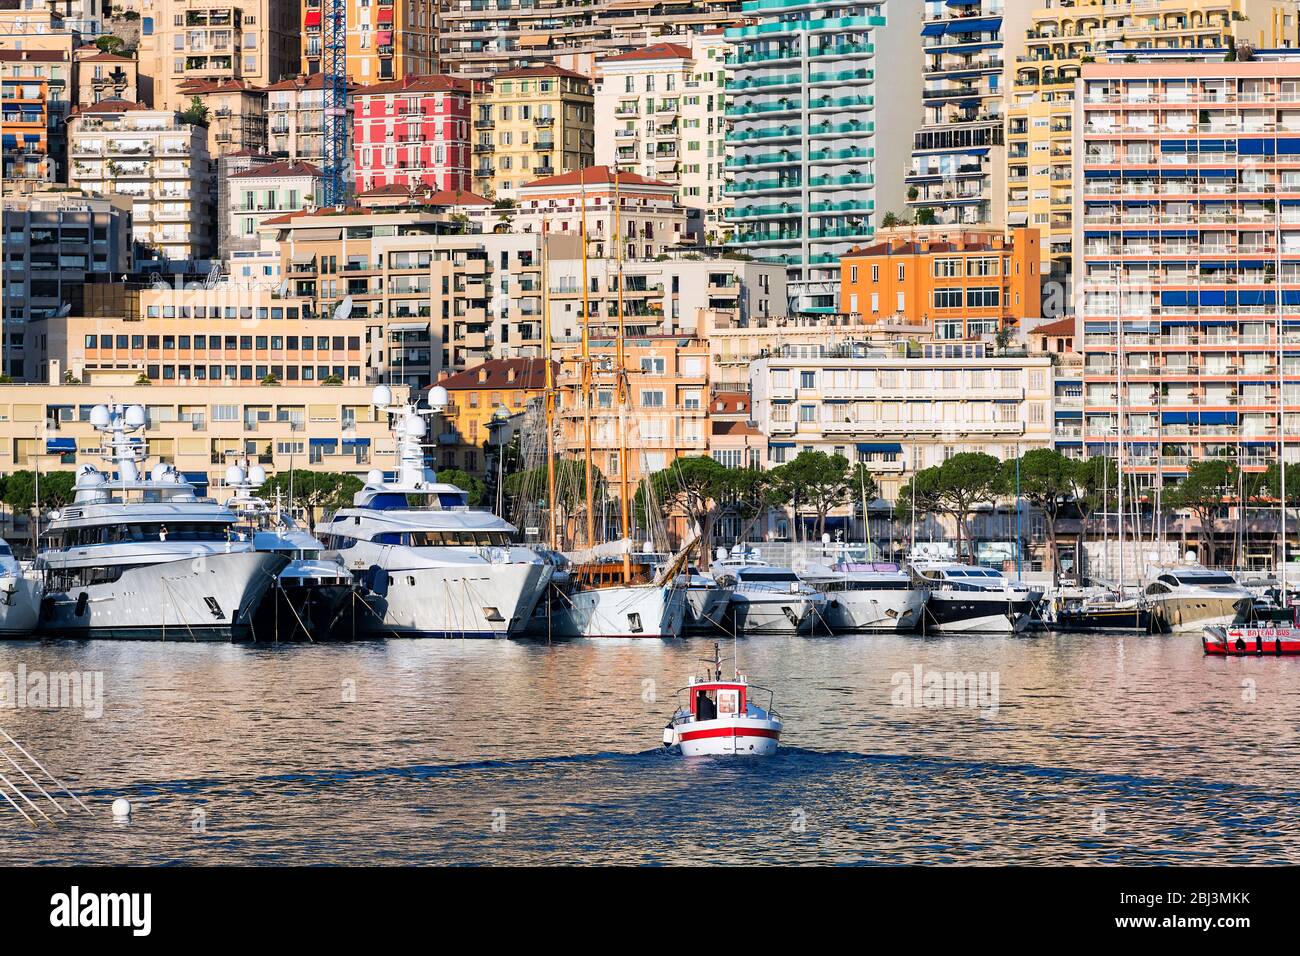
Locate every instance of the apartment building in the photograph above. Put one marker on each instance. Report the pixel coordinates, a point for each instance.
(1043, 63)
(386, 40)
(677, 295)
(295, 110)
(643, 213)
(899, 410)
(186, 40)
(413, 132)
(101, 76)
(35, 86)
(958, 172)
(200, 427)
(1186, 227)
(818, 147)
(257, 194)
(483, 37)
(667, 416)
(970, 285)
(53, 240)
(482, 400)
(530, 122)
(418, 281)
(734, 441)
(159, 162)
(236, 115)
(660, 112)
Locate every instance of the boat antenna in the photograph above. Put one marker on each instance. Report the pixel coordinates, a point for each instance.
(588, 489)
(625, 498)
(549, 391)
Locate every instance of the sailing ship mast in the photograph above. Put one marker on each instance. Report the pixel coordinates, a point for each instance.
(586, 369)
(620, 372)
(1281, 392)
(549, 390)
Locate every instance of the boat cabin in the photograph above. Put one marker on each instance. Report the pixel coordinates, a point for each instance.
(604, 574)
(712, 699)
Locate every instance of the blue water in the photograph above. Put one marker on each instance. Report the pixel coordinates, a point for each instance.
(1131, 750)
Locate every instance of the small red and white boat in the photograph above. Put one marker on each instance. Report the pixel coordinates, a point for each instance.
(719, 717)
(1244, 640)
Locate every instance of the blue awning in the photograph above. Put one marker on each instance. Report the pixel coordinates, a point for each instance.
(1069, 413)
(356, 443)
(60, 445)
(199, 479)
(780, 444)
(886, 447)
(322, 442)
(1198, 418)
(934, 29)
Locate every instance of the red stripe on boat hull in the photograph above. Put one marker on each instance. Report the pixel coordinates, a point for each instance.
(730, 732)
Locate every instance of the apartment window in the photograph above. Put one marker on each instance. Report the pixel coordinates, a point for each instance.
(947, 268)
(982, 298)
(807, 379)
(652, 398)
(947, 298)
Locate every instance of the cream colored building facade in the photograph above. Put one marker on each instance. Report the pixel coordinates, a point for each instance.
(157, 161)
(529, 123)
(1043, 63)
(660, 112)
(200, 428)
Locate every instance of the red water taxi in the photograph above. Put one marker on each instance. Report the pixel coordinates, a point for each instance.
(1246, 640)
(719, 717)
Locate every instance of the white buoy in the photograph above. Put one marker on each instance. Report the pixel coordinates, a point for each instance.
(121, 808)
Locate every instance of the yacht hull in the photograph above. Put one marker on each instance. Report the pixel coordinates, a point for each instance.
(20, 606)
(455, 601)
(963, 612)
(705, 607)
(1191, 614)
(774, 613)
(209, 599)
(894, 611)
(640, 611)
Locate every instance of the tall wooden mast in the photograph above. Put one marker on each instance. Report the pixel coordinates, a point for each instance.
(586, 370)
(620, 370)
(549, 391)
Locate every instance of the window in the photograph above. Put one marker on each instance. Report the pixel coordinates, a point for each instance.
(947, 298)
(807, 379)
(986, 298)
(652, 398)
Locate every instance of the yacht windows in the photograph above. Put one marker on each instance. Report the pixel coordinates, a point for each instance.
(145, 531)
(444, 539)
(770, 577)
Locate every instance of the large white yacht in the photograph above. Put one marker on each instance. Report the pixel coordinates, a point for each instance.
(1190, 597)
(144, 557)
(433, 567)
(314, 597)
(20, 596)
(966, 597)
(767, 599)
(867, 596)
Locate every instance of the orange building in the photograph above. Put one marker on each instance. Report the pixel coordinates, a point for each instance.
(385, 40)
(968, 284)
(504, 386)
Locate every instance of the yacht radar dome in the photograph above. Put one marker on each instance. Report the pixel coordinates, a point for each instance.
(438, 397)
(99, 416)
(234, 475)
(382, 396)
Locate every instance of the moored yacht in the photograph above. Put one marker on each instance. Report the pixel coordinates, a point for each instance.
(433, 567)
(20, 596)
(867, 597)
(314, 597)
(767, 599)
(145, 557)
(1189, 597)
(966, 597)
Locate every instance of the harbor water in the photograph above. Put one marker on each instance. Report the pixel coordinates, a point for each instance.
(1075, 749)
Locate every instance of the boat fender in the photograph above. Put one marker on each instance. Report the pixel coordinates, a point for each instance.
(377, 580)
(82, 600)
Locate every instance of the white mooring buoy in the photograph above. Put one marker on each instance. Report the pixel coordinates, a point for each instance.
(121, 808)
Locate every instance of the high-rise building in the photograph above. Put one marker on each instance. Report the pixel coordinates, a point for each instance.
(1186, 237)
(659, 112)
(413, 132)
(959, 157)
(818, 145)
(531, 122)
(386, 39)
(213, 40)
(158, 161)
(482, 37)
(1043, 62)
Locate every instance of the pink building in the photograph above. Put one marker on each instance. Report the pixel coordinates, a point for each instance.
(413, 131)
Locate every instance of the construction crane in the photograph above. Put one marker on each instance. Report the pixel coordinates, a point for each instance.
(334, 87)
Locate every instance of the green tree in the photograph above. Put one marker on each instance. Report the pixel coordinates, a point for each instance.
(196, 114)
(19, 492)
(1208, 486)
(815, 479)
(966, 480)
(1048, 481)
(110, 44)
(475, 488)
(699, 488)
(314, 490)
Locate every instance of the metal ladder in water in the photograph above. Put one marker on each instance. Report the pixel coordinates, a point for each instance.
(9, 763)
